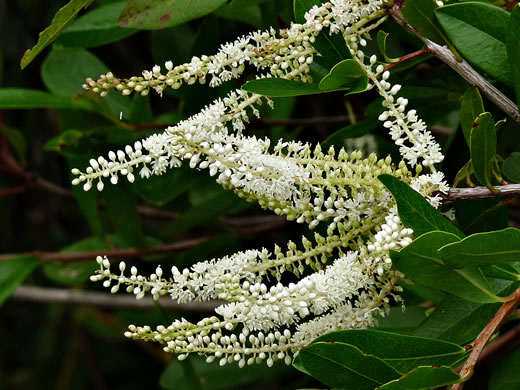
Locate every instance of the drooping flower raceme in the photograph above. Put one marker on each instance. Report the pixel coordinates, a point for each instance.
(345, 278)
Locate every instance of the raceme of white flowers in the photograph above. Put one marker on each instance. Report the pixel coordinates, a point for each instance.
(345, 278)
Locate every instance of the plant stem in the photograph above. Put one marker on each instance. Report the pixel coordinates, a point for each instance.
(510, 190)
(480, 342)
(462, 68)
(67, 296)
(91, 255)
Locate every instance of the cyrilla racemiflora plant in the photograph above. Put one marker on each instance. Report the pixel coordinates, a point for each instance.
(345, 277)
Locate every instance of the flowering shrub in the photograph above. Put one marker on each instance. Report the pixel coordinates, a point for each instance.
(380, 225)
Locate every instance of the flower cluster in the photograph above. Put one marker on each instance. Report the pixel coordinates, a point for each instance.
(344, 278)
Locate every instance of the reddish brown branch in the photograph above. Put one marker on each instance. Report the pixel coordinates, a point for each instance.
(126, 253)
(480, 342)
(504, 341)
(408, 57)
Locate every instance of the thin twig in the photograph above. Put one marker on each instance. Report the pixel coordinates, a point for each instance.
(480, 342)
(462, 68)
(126, 253)
(68, 296)
(408, 57)
(510, 190)
(504, 341)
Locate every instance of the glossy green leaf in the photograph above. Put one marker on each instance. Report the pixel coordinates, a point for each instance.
(481, 249)
(300, 7)
(424, 377)
(511, 167)
(503, 271)
(415, 212)
(402, 352)
(97, 27)
(156, 14)
(421, 261)
(343, 366)
(347, 74)
(13, 271)
(513, 49)
(420, 14)
(460, 321)
(480, 40)
(506, 375)
(276, 87)
(160, 190)
(31, 98)
(63, 140)
(245, 11)
(471, 107)
(402, 321)
(381, 45)
(483, 147)
(78, 64)
(70, 274)
(62, 18)
(355, 130)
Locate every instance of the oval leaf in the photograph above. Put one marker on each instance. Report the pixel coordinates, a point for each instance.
(347, 74)
(96, 28)
(415, 212)
(481, 40)
(13, 272)
(481, 249)
(32, 98)
(344, 366)
(156, 14)
(276, 87)
(471, 107)
(483, 147)
(62, 18)
(511, 167)
(513, 49)
(421, 261)
(402, 352)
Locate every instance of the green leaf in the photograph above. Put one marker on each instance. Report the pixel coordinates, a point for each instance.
(70, 274)
(62, 18)
(381, 45)
(352, 131)
(245, 11)
(421, 261)
(160, 190)
(32, 98)
(483, 147)
(122, 210)
(347, 74)
(424, 377)
(420, 14)
(506, 375)
(78, 64)
(511, 167)
(513, 49)
(481, 40)
(471, 107)
(276, 87)
(402, 352)
(481, 249)
(415, 212)
(156, 14)
(460, 321)
(62, 140)
(13, 271)
(96, 28)
(503, 271)
(343, 366)
(300, 7)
